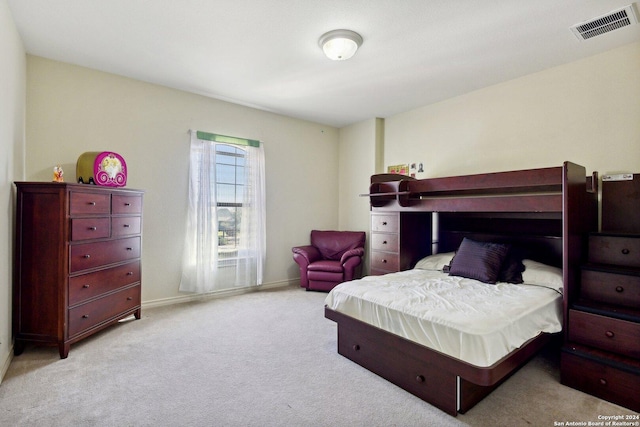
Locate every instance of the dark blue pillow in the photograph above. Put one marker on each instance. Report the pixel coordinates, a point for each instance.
(512, 268)
(479, 260)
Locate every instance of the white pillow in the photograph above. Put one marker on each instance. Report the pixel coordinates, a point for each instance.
(435, 262)
(537, 273)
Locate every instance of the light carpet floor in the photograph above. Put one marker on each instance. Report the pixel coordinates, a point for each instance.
(261, 359)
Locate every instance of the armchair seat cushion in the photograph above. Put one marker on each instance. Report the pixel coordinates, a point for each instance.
(326, 265)
(325, 276)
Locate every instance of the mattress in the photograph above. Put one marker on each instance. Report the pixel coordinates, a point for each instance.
(472, 321)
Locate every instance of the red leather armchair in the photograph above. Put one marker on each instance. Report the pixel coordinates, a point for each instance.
(330, 259)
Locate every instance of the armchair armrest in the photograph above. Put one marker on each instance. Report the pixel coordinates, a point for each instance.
(359, 252)
(308, 253)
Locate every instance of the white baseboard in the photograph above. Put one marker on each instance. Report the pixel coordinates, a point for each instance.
(218, 294)
(6, 363)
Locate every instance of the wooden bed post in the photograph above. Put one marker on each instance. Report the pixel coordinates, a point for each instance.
(579, 216)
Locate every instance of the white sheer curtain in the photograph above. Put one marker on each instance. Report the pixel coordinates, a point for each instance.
(201, 272)
(252, 239)
(200, 261)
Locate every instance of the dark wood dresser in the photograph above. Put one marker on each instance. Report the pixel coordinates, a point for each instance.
(602, 353)
(77, 261)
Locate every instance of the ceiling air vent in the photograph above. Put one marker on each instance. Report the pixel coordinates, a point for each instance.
(606, 23)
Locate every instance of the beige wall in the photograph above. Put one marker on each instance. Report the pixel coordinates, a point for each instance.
(357, 164)
(358, 148)
(12, 111)
(587, 112)
(71, 110)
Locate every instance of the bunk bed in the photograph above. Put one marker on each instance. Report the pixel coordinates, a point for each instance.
(544, 212)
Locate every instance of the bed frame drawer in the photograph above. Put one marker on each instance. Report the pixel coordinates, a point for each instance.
(385, 223)
(385, 242)
(615, 335)
(611, 288)
(390, 359)
(599, 378)
(386, 261)
(614, 250)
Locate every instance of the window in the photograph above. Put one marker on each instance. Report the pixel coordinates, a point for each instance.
(230, 170)
(225, 234)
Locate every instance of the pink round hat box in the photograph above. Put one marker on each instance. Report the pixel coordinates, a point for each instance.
(108, 168)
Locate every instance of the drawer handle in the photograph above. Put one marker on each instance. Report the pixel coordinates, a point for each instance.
(93, 228)
(420, 378)
(602, 381)
(87, 256)
(609, 334)
(129, 273)
(384, 243)
(129, 298)
(384, 261)
(625, 251)
(91, 203)
(384, 222)
(85, 316)
(356, 347)
(85, 286)
(619, 289)
(129, 249)
(127, 204)
(126, 225)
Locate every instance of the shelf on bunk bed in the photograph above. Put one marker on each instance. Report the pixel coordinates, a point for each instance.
(530, 190)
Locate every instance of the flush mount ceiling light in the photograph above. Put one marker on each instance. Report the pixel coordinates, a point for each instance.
(340, 44)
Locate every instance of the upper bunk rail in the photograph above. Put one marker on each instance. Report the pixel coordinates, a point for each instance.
(529, 190)
(522, 181)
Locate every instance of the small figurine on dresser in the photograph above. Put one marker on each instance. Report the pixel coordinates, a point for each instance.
(58, 174)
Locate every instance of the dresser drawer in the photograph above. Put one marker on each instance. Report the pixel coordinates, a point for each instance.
(601, 380)
(606, 333)
(388, 223)
(81, 203)
(86, 316)
(611, 288)
(123, 204)
(91, 285)
(91, 255)
(615, 250)
(385, 242)
(386, 261)
(89, 228)
(125, 226)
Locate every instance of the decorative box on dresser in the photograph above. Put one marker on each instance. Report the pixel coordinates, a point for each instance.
(77, 261)
(601, 355)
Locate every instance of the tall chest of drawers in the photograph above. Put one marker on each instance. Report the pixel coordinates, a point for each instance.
(77, 265)
(398, 240)
(602, 353)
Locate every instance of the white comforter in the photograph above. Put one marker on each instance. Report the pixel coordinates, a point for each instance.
(464, 318)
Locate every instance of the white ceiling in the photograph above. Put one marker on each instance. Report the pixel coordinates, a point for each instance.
(264, 53)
